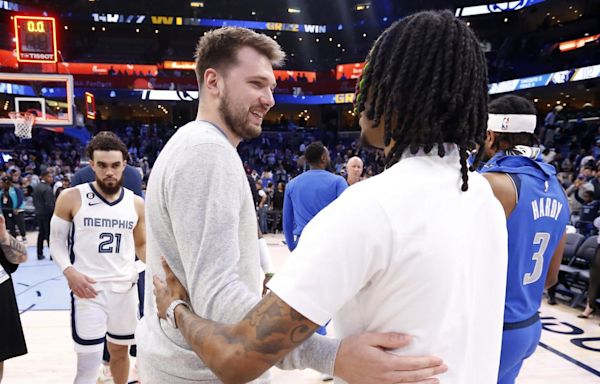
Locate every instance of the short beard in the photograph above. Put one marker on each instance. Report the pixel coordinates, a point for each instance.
(239, 125)
(110, 190)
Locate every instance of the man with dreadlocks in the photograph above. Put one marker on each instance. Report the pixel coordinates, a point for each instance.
(537, 213)
(420, 249)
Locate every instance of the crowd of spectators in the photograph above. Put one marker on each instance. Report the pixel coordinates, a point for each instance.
(569, 142)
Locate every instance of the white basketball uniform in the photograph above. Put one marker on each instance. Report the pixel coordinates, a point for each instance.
(102, 247)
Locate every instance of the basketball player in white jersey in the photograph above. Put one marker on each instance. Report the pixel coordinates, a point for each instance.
(95, 233)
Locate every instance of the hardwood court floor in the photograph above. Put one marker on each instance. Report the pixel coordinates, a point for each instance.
(571, 354)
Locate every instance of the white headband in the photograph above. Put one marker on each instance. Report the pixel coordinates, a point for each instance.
(511, 123)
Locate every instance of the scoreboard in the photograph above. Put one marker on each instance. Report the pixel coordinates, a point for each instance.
(36, 39)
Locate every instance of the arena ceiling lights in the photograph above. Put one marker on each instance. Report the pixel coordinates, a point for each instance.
(176, 21)
(577, 43)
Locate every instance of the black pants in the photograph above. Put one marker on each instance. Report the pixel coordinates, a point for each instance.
(9, 218)
(276, 223)
(11, 332)
(44, 232)
(20, 221)
(594, 287)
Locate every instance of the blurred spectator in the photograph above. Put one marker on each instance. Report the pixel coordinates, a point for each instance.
(263, 207)
(589, 212)
(43, 200)
(64, 184)
(354, 170)
(13, 207)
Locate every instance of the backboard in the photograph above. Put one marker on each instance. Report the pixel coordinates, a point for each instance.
(48, 96)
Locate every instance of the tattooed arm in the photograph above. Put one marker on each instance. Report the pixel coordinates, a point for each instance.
(14, 251)
(241, 352)
(267, 333)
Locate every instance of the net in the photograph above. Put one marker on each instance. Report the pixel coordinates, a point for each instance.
(23, 124)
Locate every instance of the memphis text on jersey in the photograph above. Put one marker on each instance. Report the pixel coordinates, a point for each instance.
(107, 223)
(546, 207)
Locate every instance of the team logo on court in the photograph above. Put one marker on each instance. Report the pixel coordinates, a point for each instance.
(90, 195)
(505, 122)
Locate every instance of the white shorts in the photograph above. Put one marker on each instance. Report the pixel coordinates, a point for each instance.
(110, 315)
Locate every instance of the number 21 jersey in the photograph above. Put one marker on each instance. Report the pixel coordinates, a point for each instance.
(101, 241)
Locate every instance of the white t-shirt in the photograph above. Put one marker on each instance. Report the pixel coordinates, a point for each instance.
(408, 251)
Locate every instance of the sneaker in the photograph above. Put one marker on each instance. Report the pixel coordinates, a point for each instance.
(552, 301)
(325, 377)
(105, 375)
(41, 257)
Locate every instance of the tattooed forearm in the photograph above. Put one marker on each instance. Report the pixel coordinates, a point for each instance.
(240, 353)
(14, 251)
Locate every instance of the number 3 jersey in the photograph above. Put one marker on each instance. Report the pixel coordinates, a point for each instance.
(101, 241)
(535, 228)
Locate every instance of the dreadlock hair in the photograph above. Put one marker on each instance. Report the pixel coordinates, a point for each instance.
(426, 79)
(514, 105)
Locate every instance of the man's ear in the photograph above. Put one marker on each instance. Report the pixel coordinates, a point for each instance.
(211, 81)
(490, 138)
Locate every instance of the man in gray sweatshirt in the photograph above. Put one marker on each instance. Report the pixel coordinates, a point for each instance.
(205, 225)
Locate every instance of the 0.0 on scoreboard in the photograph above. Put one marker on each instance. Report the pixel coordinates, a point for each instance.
(36, 39)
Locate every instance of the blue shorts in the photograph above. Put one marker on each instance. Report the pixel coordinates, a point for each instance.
(517, 345)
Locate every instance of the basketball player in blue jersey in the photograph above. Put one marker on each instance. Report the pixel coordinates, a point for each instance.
(95, 233)
(537, 212)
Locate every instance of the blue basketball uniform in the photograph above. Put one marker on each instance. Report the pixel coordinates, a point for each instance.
(535, 228)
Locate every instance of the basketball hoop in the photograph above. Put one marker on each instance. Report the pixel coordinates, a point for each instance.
(23, 123)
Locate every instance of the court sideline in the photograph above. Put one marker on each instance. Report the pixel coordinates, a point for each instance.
(569, 352)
